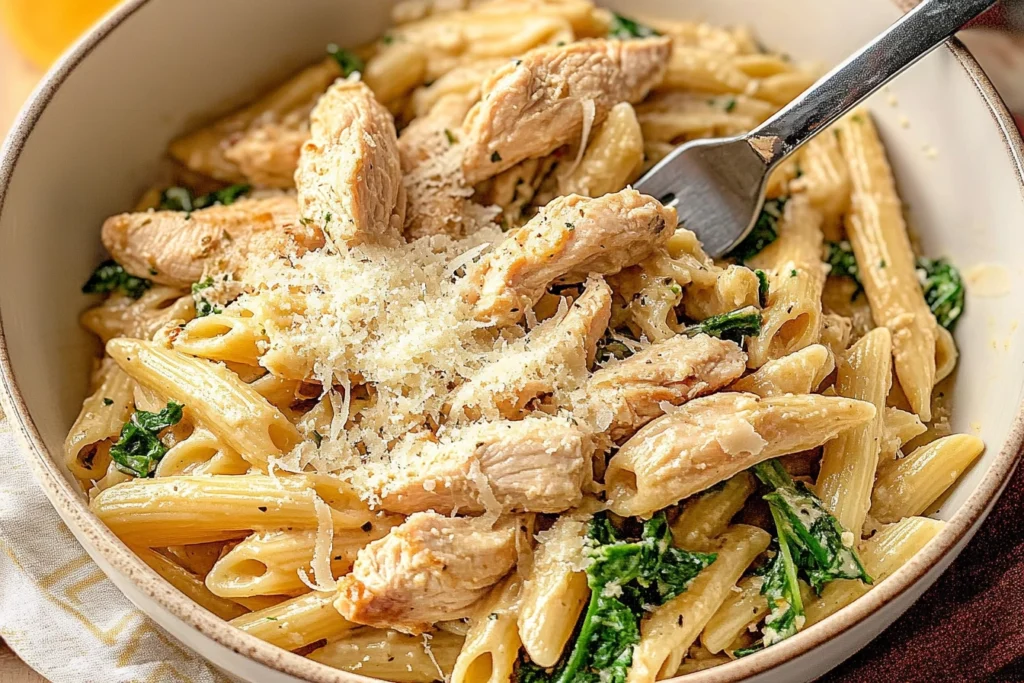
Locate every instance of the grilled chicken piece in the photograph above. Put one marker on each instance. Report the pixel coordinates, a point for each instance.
(559, 350)
(571, 237)
(349, 176)
(260, 143)
(534, 465)
(434, 133)
(176, 248)
(534, 105)
(431, 568)
(269, 154)
(712, 438)
(439, 198)
(673, 371)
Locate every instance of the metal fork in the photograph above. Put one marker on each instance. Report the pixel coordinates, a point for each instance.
(718, 185)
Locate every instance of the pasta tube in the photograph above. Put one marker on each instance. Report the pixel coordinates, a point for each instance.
(910, 485)
(708, 515)
(231, 409)
(492, 643)
(296, 623)
(878, 235)
(671, 629)
(849, 461)
(189, 584)
(393, 656)
(882, 555)
(200, 509)
(554, 592)
(800, 372)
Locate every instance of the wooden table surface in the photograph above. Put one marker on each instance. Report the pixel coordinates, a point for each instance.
(17, 78)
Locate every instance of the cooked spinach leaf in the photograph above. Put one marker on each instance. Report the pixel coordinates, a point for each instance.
(810, 543)
(110, 277)
(348, 61)
(943, 289)
(624, 576)
(764, 232)
(203, 307)
(179, 198)
(734, 326)
(625, 28)
(139, 448)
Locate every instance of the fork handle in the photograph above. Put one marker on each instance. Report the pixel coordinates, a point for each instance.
(912, 37)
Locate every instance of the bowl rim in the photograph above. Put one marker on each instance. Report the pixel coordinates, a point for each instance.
(74, 509)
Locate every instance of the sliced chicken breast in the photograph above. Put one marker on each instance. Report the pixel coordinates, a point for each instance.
(534, 105)
(177, 249)
(673, 371)
(570, 238)
(538, 464)
(349, 177)
(431, 568)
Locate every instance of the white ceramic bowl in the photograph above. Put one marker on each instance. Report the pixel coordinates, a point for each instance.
(92, 136)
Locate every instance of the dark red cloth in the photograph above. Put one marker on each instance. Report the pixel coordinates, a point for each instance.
(970, 625)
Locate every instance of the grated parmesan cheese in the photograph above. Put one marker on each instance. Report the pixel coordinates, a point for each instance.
(589, 114)
(323, 578)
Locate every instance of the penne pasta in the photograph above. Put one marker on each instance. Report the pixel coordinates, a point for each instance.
(189, 584)
(708, 515)
(268, 563)
(792, 318)
(202, 509)
(230, 336)
(849, 461)
(393, 656)
(492, 643)
(741, 609)
(797, 373)
(231, 409)
(882, 555)
(670, 630)
(878, 235)
(554, 591)
(98, 425)
(297, 622)
(908, 486)
(710, 439)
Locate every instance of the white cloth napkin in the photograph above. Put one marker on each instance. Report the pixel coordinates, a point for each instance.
(59, 612)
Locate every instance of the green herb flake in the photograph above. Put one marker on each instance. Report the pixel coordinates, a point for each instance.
(733, 326)
(179, 198)
(139, 448)
(943, 289)
(624, 28)
(203, 306)
(764, 232)
(111, 277)
(348, 61)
